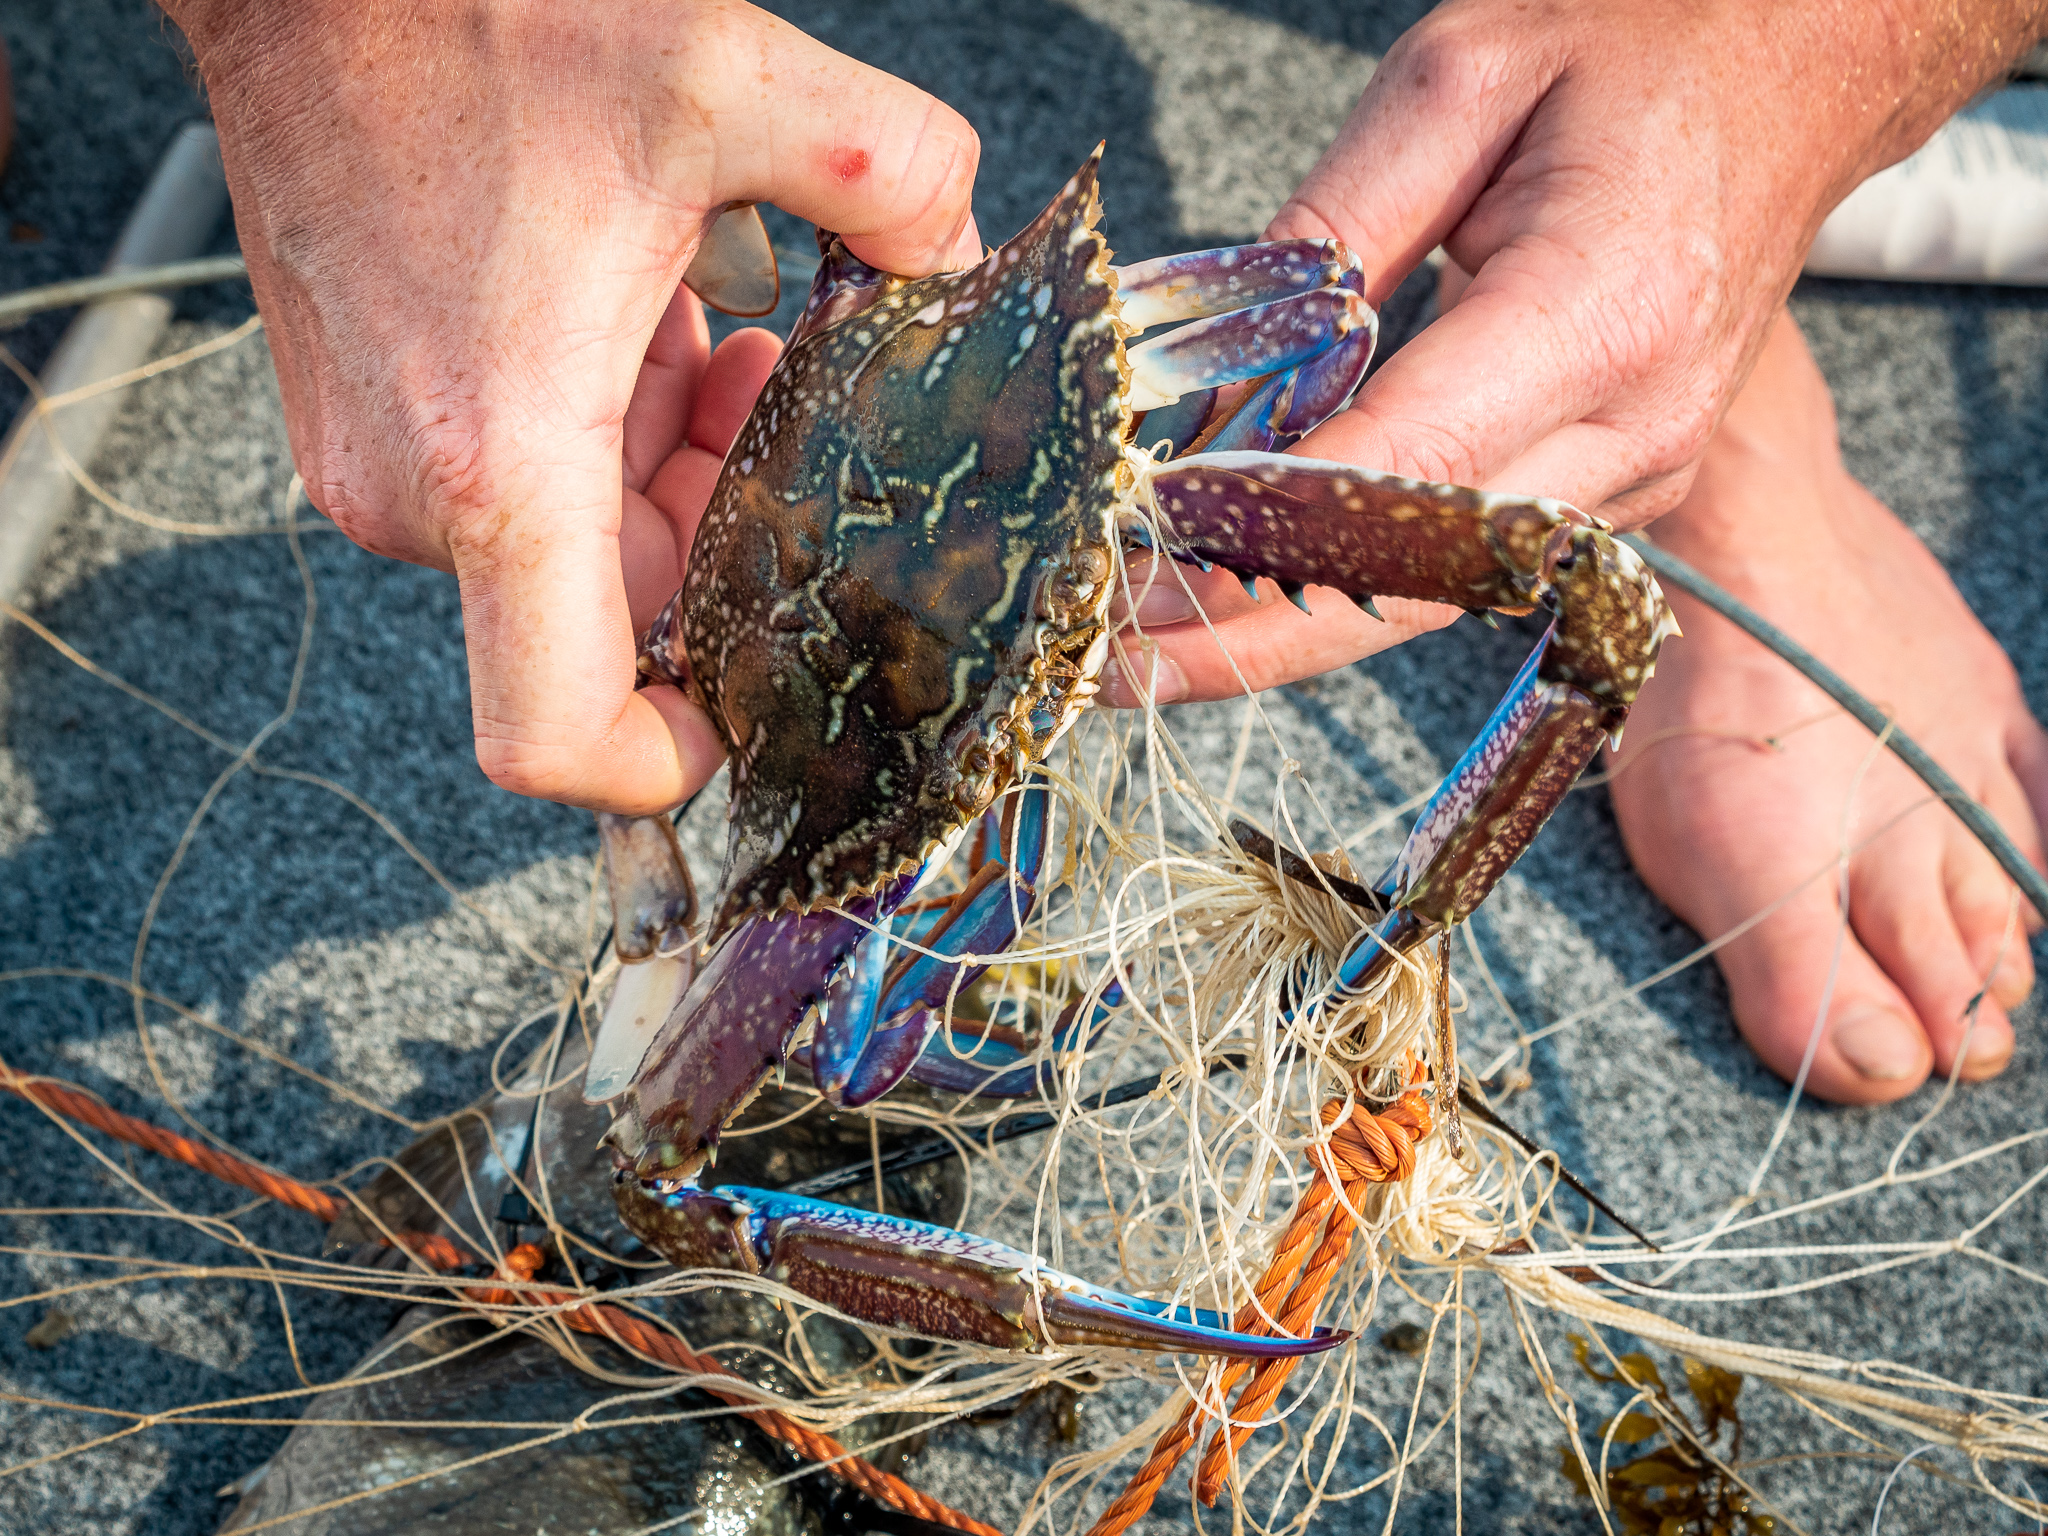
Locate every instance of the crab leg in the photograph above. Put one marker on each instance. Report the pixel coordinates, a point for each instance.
(985, 1062)
(654, 901)
(1229, 348)
(924, 1279)
(1314, 351)
(1195, 284)
(877, 1025)
(1302, 521)
(654, 905)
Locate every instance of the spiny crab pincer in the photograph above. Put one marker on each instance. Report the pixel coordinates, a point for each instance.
(898, 600)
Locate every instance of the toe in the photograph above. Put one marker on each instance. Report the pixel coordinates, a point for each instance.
(1989, 913)
(1899, 904)
(1993, 935)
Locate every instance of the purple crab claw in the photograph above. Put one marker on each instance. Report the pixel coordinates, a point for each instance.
(733, 1028)
(1302, 521)
(923, 1279)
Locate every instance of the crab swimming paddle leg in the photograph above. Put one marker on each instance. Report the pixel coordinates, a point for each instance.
(654, 906)
(922, 1279)
(1307, 522)
(869, 1042)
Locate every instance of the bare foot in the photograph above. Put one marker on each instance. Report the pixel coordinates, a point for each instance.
(1721, 825)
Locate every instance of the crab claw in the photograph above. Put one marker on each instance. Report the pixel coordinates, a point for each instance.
(919, 1278)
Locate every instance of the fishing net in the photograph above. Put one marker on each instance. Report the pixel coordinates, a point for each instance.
(1504, 1337)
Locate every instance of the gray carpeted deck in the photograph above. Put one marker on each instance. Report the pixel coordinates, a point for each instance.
(293, 920)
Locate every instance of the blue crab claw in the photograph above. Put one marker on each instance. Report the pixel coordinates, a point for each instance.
(919, 1278)
(1302, 521)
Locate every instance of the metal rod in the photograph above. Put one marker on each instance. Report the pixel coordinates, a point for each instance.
(1484, 1111)
(1972, 815)
(18, 306)
(173, 221)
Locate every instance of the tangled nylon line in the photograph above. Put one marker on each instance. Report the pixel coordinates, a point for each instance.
(1294, 1191)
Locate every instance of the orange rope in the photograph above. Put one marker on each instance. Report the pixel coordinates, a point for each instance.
(637, 1333)
(622, 1327)
(1364, 1149)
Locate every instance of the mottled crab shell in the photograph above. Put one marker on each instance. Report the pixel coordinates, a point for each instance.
(906, 558)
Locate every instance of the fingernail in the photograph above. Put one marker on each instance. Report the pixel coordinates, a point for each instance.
(1125, 679)
(964, 249)
(1986, 1056)
(1880, 1045)
(1164, 602)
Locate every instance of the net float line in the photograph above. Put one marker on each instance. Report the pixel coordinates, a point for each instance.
(635, 1333)
(1363, 1149)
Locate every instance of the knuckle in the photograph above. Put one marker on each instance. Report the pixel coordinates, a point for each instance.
(448, 469)
(1433, 451)
(538, 770)
(939, 156)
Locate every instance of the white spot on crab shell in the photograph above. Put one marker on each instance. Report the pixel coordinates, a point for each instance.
(931, 314)
(1024, 339)
(1041, 472)
(1041, 301)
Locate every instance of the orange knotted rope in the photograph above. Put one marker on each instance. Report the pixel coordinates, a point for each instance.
(1363, 1149)
(521, 1264)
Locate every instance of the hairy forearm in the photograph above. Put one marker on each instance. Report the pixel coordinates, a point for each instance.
(1898, 69)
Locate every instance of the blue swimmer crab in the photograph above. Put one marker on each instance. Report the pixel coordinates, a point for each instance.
(898, 600)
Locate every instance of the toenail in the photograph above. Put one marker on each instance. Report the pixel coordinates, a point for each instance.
(1986, 1056)
(1880, 1045)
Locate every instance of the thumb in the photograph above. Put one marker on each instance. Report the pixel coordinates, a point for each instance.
(855, 150)
(1439, 117)
(551, 647)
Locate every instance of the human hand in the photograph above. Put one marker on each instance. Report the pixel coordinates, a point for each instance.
(466, 228)
(1634, 186)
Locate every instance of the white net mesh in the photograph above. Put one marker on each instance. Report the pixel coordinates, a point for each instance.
(1182, 1194)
